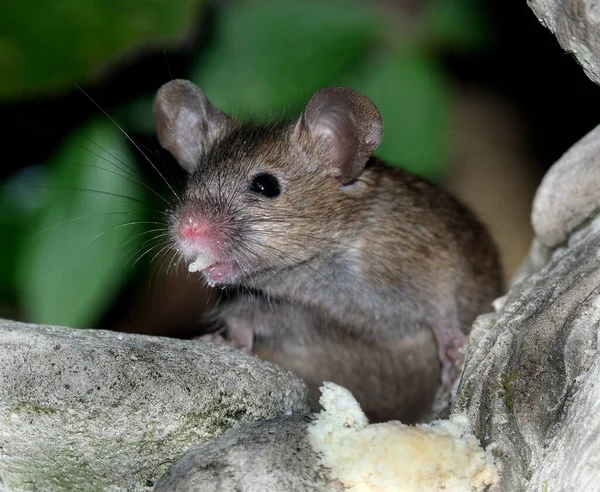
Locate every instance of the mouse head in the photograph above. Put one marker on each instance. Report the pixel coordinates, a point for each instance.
(263, 198)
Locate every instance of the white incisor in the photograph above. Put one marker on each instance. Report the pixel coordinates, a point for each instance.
(199, 264)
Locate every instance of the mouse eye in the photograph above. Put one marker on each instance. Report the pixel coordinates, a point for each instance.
(266, 185)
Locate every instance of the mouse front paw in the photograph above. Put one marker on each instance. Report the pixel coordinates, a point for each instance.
(238, 336)
(219, 339)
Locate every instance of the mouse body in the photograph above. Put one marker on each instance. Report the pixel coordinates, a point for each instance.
(339, 267)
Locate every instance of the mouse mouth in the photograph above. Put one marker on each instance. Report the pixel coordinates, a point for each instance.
(215, 272)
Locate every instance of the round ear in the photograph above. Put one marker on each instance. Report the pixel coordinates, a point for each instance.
(346, 127)
(187, 124)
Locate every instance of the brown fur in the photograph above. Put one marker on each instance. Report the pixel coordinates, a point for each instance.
(350, 276)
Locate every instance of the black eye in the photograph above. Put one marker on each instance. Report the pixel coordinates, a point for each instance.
(266, 184)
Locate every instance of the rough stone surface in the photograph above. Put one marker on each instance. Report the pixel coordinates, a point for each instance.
(272, 456)
(569, 193)
(571, 462)
(96, 410)
(528, 384)
(576, 24)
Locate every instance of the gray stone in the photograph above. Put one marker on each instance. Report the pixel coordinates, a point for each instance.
(569, 193)
(571, 460)
(576, 24)
(528, 384)
(97, 410)
(272, 456)
(538, 256)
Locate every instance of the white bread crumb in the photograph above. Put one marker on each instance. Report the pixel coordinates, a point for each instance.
(441, 456)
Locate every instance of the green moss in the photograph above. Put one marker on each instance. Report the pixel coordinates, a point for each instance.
(545, 486)
(33, 408)
(195, 428)
(506, 388)
(71, 472)
(65, 476)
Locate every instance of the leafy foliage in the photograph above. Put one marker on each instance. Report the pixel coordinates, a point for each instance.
(77, 254)
(41, 40)
(271, 56)
(68, 250)
(411, 93)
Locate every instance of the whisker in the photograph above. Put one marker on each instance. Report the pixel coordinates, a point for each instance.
(151, 231)
(69, 188)
(167, 247)
(129, 169)
(115, 123)
(145, 253)
(118, 226)
(43, 231)
(131, 179)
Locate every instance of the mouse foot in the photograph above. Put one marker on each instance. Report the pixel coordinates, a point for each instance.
(236, 338)
(451, 343)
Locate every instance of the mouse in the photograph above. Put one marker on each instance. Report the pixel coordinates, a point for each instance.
(332, 263)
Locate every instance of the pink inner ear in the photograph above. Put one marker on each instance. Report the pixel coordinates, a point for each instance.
(346, 126)
(333, 128)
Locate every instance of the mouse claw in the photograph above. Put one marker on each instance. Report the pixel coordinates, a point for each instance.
(221, 340)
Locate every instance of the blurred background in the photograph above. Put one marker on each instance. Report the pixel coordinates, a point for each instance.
(476, 95)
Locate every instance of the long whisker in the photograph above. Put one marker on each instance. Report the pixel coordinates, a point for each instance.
(128, 169)
(167, 247)
(256, 255)
(73, 219)
(128, 178)
(146, 252)
(116, 124)
(331, 241)
(151, 231)
(69, 188)
(306, 265)
(118, 226)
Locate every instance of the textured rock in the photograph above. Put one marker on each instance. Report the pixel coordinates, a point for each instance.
(571, 460)
(272, 456)
(569, 193)
(97, 410)
(576, 24)
(525, 383)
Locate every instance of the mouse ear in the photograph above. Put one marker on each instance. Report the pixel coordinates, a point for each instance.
(187, 123)
(346, 126)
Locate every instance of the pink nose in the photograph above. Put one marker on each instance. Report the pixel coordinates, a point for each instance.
(191, 227)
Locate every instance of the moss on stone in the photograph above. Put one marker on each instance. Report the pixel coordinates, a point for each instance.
(32, 408)
(506, 388)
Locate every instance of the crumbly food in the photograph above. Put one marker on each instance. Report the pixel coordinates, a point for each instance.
(441, 456)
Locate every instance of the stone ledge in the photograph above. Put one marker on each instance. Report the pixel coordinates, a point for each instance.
(100, 410)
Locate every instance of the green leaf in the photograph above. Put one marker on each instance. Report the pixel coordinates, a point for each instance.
(40, 39)
(457, 24)
(137, 116)
(78, 253)
(411, 93)
(270, 56)
(19, 204)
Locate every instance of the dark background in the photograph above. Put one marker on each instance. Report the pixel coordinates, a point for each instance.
(500, 103)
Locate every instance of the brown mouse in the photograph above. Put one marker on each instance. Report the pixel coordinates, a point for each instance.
(341, 268)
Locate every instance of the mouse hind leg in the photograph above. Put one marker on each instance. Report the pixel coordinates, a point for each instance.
(391, 379)
(451, 341)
